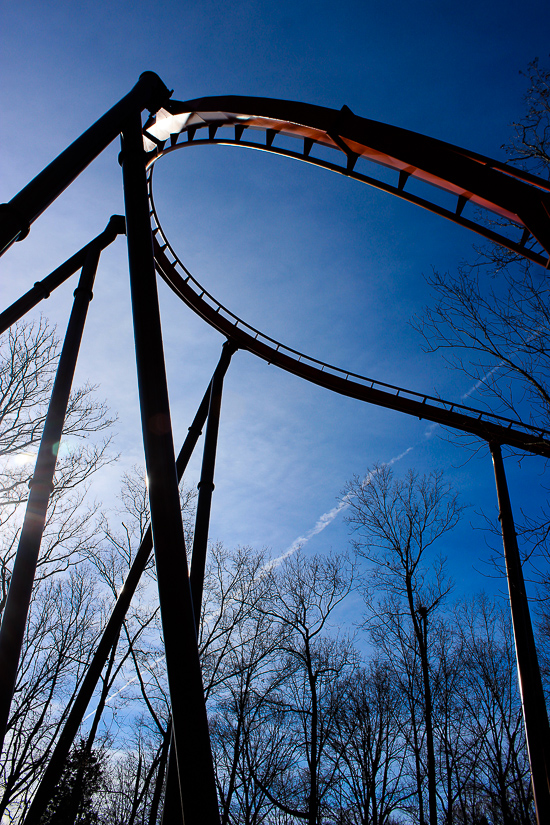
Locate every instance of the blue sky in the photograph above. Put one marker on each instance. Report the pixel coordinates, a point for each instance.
(322, 263)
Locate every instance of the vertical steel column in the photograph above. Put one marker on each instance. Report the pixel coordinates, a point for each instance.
(200, 540)
(171, 810)
(206, 488)
(190, 724)
(53, 772)
(24, 568)
(530, 684)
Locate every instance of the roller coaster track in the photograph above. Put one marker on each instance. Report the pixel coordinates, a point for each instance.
(474, 184)
(516, 198)
(485, 425)
(513, 195)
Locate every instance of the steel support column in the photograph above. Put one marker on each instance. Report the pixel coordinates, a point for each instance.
(530, 684)
(53, 772)
(200, 540)
(171, 811)
(206, 488)
(19, 594)
(190, 724)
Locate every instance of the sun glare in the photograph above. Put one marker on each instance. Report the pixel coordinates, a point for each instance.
(23, 458)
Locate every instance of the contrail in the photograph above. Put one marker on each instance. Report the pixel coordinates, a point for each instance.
(124, 686)
(326, 519)
(482, 380)
(322, 522)
(501, 363)
(479, 383)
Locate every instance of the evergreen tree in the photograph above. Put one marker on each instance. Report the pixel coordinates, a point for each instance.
(73, 801)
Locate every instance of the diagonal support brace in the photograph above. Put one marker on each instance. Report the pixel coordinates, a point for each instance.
(59, 755)
(18, 600)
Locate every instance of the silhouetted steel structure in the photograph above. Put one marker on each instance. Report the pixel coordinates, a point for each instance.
(467, 177)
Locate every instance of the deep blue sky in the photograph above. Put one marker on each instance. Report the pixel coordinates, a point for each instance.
(322, 263)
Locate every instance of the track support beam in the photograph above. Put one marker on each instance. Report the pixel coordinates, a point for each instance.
(190, 724)
(200, 541)
(530, 683)
(43, 289)
(20, 591)
(59, 755)
(206, 488)
(17, 216)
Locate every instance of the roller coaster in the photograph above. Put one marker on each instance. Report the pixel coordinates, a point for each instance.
(338, 141)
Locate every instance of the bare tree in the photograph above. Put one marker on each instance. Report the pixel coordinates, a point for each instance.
(59, 638)
(499, 783)
(396, 523)
(491, 318)
(492, 315)
(370, 747)
(237, 643)
(134, 680)
(28, 359)
(65, 606)
(300, 705)
(531, 143)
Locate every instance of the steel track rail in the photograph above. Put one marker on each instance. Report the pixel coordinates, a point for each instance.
(487, 426)
(512, 194)
(515, 197)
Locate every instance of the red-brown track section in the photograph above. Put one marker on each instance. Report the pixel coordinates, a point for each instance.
(512, 194)
(472, 182)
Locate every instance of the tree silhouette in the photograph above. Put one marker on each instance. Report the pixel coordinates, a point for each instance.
(73, 800)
